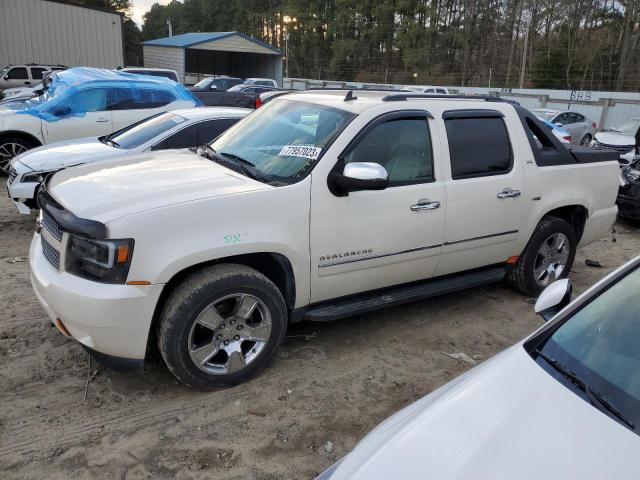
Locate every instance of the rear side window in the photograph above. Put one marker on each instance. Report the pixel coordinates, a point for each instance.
(209, 130)
(187, 137)
(135, 99)
(478, 147)
(18, 74)
(36, 72)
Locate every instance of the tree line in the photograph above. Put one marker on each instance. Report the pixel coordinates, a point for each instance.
(564, 44)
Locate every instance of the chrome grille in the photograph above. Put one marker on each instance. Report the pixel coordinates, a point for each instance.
(12, 174)
(51, 254)
(52, 226)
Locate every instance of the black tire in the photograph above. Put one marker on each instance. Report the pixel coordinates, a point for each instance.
(9, 145)
(198, 292)
(522, 277)
(586, 140)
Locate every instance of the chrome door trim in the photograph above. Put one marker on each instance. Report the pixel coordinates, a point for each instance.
(480, 238)
(380, 255)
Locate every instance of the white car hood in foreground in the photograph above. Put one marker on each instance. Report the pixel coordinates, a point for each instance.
(615, 138)
(106, 191)
(69, 153)
(507, 419)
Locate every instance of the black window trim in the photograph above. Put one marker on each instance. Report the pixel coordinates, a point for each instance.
(412, 114)
(476, 114)
(190, 125)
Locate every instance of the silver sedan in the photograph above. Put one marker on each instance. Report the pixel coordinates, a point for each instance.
(581, 128)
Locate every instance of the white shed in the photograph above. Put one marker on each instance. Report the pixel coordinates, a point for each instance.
(52, 33)
(194, 55)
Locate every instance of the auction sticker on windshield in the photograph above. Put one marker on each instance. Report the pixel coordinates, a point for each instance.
(300, 151)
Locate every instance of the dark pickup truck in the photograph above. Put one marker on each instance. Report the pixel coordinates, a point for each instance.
(246, 97)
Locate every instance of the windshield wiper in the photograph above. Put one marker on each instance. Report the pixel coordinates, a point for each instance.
(233, 162)
(248, 168)
(610, 407)
(589, 390)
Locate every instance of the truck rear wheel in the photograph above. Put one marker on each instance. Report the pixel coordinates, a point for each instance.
(547, 257)
(221, 326)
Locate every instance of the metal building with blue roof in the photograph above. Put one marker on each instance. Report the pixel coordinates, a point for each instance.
(196, 55)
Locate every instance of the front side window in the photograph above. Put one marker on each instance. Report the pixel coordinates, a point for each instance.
(563, 118)
(478, 147)
(142, 132)
(283, 139)
(402, 146)
(90, 100)
(19, 73)
(599, 343)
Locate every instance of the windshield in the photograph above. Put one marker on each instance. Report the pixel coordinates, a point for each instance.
(140, 133)
(629, 128)
(599, 343)
(204, 83)
(544, 115)
(284, 138)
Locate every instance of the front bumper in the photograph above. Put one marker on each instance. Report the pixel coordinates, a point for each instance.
(111, 321)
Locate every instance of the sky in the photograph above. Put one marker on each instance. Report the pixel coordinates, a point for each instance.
(140, 7)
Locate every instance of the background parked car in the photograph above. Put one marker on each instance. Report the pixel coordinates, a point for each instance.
(565, 403)
(621, 139)
(581, 128)
(219, 84)
(175, 129)
(427, 89)
(154, 72)
(264, 82)
(85, 101)
(25, 75)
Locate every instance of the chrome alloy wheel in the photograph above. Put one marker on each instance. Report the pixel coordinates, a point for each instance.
(229, 334)
(7, 152)
(551, 260)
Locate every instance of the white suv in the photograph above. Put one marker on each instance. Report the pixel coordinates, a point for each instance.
(317, 206)
(14, 76)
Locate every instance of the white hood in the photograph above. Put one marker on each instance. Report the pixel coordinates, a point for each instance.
(507, 419)
(615, 138)
(69, 153)
(110, 190)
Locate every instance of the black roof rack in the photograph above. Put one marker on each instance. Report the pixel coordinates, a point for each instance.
(400, 97)
(343, 89)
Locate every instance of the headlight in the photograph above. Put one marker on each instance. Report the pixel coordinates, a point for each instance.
(593, 143)
(36, 177)
(105, 261)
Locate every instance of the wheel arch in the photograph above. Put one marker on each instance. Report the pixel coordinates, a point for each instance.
(21, 134)
(275, 266)
(575, 214)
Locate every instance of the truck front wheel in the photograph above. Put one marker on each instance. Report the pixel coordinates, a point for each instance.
(547, 257)
(221, 326)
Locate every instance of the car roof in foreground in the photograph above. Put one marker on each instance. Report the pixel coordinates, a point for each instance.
(203, 113)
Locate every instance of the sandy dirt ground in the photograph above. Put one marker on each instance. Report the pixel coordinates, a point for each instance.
(329, 385)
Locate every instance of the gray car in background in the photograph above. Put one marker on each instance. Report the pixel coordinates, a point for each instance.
(581, 128)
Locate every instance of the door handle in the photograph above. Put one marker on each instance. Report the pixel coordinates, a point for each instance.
(508, 193)
(424, 205)
(102, 120)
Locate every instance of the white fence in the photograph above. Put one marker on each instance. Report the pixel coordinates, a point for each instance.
(607, 109)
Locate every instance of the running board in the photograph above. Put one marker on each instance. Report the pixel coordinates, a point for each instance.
(325, 312)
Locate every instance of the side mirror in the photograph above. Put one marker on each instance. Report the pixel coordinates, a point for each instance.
(361, 176)
(554, 298)
(213, 87)
(557, 124)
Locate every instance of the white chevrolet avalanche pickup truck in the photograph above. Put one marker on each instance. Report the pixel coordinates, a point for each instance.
(320, 205)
